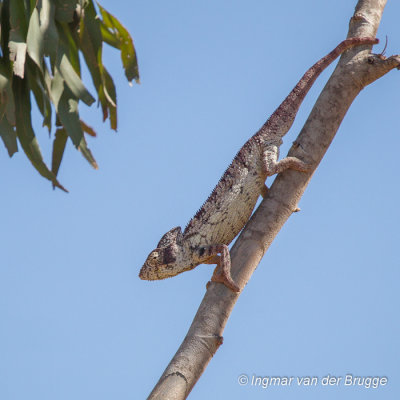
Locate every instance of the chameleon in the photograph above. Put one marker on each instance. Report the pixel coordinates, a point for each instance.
(226, 211)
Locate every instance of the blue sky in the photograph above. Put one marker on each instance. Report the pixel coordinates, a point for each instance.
(76, 321)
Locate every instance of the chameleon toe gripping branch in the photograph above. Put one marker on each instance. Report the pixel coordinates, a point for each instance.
(223, 215)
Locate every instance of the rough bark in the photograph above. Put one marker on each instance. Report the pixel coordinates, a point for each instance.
(355, 70)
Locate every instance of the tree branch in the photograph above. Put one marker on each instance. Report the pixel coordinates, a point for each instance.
(356, 69)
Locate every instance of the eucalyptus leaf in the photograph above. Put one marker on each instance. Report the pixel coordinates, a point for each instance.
(6, 94)
(17, 44)
(40, 92)
(67, 111)
(48, 27)
(88, 129)
(25, 133)
(42, 42)
(8, 136)
(128, 53)
(35, 39)
(65, 10)
(59, 143)
(111, 94)
(71, 78)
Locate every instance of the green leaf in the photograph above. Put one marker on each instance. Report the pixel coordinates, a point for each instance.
(70, 46)
(71, 78)
(65, 10)
(6, 93)
(32, 4)
(47, 78)
(25, 133)
(41, 41)
(109, 37)
(48, 27)
(17, 44)
(56, 87)
(35, 39)
(1, 27)
(67, 112)
(111, 95)
(91, 46)
(18, 16)
(8, 136)
(59, 143)
(121, 35)
(5, 30)
(39, 88)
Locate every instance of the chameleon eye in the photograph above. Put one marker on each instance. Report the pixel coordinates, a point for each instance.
(152, 259)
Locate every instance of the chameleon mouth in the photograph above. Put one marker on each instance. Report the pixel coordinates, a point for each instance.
(155, 273)
(145, 272)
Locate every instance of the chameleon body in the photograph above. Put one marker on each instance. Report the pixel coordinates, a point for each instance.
(223, 215)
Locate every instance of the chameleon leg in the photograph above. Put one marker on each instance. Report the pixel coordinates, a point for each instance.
(272, 166)
(213, 260)
(222, 272)
(286, 163)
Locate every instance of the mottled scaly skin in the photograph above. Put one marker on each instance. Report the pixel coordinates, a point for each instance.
(231, 203)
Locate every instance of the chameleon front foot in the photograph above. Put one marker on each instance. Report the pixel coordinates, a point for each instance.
(222, 274)
(224, 277)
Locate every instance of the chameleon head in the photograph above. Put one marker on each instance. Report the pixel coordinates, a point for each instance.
(163, 261)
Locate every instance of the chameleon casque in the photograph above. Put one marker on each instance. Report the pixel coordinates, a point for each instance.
(206, 237)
